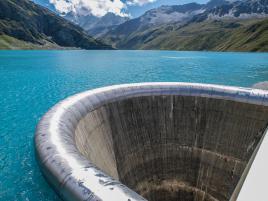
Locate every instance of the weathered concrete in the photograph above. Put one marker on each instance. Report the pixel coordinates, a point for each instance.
(165, 141)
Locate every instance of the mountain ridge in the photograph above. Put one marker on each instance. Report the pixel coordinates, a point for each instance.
(237, 9)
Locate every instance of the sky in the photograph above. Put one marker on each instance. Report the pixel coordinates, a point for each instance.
(130, 8)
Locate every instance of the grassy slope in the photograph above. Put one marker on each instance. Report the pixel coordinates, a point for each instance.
(252, 37)
(227, 35)
(11, 43)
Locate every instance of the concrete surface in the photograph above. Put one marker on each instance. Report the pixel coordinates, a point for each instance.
(152, 141)
(261, 85)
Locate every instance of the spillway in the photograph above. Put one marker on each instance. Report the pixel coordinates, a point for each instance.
(152, 141)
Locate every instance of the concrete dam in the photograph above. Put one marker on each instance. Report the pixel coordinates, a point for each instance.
(152, 141)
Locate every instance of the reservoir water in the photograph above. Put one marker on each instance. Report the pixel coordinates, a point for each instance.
(33, 81)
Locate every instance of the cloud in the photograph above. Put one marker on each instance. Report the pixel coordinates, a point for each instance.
(96, 7)
(139, 2)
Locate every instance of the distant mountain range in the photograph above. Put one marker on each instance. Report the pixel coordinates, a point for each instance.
(217, 25)
(25, 25)
(96, 26)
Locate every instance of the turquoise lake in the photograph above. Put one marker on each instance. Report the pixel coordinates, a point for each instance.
(33, 81)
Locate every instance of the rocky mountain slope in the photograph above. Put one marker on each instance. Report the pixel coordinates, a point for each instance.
(245, 9)
(217, 25)
(26, 25)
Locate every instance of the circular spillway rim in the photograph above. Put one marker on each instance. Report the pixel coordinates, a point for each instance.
(76, 178)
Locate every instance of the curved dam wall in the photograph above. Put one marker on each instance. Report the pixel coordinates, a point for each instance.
(152, 141)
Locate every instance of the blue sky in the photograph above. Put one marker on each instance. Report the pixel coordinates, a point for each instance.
(100, 7)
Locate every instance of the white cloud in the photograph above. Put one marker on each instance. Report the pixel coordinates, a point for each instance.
(95, 7)
(139, 2)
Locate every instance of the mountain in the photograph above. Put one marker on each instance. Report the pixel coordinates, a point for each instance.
(157, 17)
(24, 24)
(170, 14)
(238, 9)
(216, 3)
(194, 28)
(96, 26)
(152, 19)
(226, 35)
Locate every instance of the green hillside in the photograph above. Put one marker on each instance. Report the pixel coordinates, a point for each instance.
(224, 35)
(8, 42)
